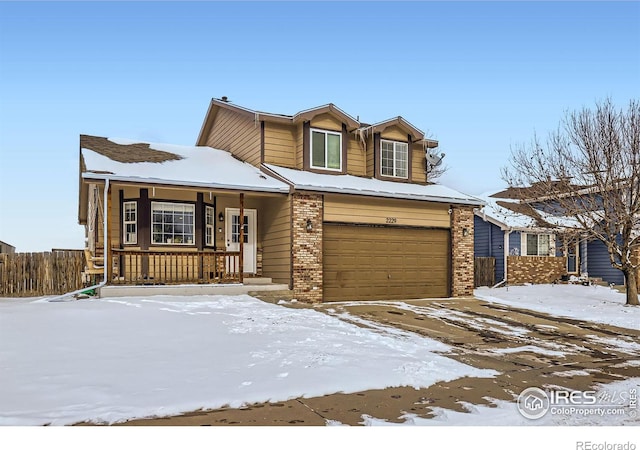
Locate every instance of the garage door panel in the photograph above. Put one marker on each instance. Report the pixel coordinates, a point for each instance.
(378, 263)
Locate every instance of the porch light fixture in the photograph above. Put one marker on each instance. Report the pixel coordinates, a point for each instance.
(220, 217)
(309, 226)
(465, 232)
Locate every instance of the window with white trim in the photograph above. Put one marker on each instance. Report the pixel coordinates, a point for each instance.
(326, 149)
(130, 222)
(172, 223)
(209, 224)
(538, 244)
(394, 159)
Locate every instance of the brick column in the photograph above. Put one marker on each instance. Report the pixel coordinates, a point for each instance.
(307, 247)
(462, 251)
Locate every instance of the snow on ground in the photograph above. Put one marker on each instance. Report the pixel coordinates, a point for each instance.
(616, 410)
(591, 303)
(109, 360)
(528, 348)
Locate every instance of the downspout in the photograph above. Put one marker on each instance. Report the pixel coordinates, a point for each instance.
(505, 252)
(490, 240)
(61, 298)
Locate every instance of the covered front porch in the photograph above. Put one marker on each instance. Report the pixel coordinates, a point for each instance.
(163, 235)
(157, 214)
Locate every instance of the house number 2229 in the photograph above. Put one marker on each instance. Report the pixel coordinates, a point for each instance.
(392, 220)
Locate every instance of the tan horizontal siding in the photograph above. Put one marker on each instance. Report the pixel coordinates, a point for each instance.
(356, 157)
(356, 209)
(237, 134)
(370, 156)
(276, 239)
(394, 133)
(418, 164)
(279, 145)
(326, 122)
(299, 147)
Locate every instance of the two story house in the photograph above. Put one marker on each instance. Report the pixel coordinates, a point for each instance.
(335, 208)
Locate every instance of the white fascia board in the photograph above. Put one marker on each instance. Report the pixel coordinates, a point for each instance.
(404, 196)
(487, 218)
(196, 184)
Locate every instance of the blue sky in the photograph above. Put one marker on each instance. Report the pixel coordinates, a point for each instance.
(479, 77)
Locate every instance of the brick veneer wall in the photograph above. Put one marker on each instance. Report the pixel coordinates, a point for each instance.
(307, 247)
(535, 269)
(462, 251)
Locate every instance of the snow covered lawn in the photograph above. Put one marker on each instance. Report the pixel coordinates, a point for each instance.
(590, 303)
(110, 360)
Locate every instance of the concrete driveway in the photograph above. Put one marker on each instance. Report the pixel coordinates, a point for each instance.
(528, 349)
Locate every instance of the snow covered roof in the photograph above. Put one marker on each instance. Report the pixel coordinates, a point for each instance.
(498, 210)
(349, 184)
(507, 212)
(135, 161)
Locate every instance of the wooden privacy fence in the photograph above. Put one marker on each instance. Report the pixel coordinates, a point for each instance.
(484, 271)
(35, 274)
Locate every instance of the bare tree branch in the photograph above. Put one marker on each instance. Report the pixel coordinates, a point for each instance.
(588, 171)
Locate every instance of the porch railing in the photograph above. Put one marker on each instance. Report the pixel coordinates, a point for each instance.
(174, 267)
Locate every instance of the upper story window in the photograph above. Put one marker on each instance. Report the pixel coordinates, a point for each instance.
(394, 159)
(172, 223)
(539, 245)
(130, 222)
(326, 150)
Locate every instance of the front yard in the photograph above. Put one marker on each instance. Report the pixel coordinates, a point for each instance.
(112, 360)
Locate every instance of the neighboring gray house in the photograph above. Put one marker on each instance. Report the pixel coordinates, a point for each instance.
(528, 248)
(6, 248)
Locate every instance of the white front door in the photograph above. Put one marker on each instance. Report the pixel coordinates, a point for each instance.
(232, 235)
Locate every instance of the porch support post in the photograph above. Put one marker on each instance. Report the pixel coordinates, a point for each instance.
(199, 237)
(107, 249)
(241, 257)
(144, 231)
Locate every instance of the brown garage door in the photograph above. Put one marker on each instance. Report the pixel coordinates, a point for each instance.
(381, 263)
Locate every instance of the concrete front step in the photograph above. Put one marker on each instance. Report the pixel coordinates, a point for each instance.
(189, 289)
(257, 281)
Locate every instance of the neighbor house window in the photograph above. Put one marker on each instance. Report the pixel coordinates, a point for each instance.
(172, 223)
(326, 150)
(130, 222)
(539, 245)
(394, 159)
(210, 223)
